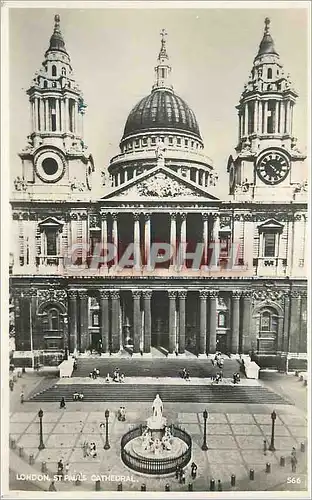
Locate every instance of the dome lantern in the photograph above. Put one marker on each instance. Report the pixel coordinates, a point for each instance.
(163, 68)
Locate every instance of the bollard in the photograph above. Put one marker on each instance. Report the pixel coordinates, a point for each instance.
(233, 480)
(43, 467)
(31, 459)
(143, 487)
(190, 487)
(21, 451)
(219, 485)
(251, 474)
(212, 485)
(13, 444)
(267, 467)
(119, 487)
(97, 485)
(167, 487)
(297, 373)
(306, 382)
(23, 369)
(302, 447)
(282, 461)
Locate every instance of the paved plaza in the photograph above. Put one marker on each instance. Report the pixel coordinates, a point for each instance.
(235, 435)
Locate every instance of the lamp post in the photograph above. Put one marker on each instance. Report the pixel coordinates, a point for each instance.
(41, 443)
(106, 445)
(204, 446)
(273, 417)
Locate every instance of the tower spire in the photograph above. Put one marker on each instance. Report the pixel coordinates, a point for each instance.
(56, 40)
(163, 68)
(267, 44)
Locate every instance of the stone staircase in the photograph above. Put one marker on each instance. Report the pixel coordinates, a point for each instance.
(187, 393)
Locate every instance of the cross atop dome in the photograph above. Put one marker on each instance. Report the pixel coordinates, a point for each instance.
(163, 52)
(163, 68)
(267, 44)
(56, 41)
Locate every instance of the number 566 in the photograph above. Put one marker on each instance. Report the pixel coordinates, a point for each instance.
(293, 480)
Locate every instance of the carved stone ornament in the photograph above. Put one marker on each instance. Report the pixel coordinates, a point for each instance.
(213, 179)
(301, 187)
(20, 184)
(76, 185)
(161, 186)
(147, 294)
(52, 295)
(271, 295)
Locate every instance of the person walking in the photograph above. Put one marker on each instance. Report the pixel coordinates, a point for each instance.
(60, 468)
(193, 470)
(265, 447)
(177, 472)
(63, 404)
(22, 397)
(67, 469)
(293, 460)
(52, 486)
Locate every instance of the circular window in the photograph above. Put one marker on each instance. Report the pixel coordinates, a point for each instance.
(49, 166)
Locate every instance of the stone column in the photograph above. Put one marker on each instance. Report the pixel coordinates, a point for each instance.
(182, 247)
(104, 325)
(104, 266)
(303, 323)
(115, 324)
(294, 326)
(137, 246)
(173, 237)
(147, 240)
(213, 295)
(277, 103)
(246, 120)
(215, 241)
(247, 336)
(260, 114)
(72, 320)
(36, 114)
(284, 346)
(46, 115)
(136, 295)
(115, 237)
(282, 118)
(255, 129)
(182, 301)
(236, 295)
(288, 113)
(172, 310)
(66, 115)
(84, 330)
(265, 129)
(205, 237)
(41, 113)
(202, 351)
(147, 295)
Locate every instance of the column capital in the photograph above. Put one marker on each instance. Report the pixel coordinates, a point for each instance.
(114, 294)
(294, 294)
(136, 216)
(147, 216)
(247, 294)
(205, 216)
(183, 215)
(114, 215)
(104, 294)
(182, 294)
(172, 294)
(72, 294)
(136, 294)
(203, 294)
(147, 294)
(213, 294)
(82, 294)
(173, 215)
(236, 294)
(30, 293)
(103, 215)
(215, 216)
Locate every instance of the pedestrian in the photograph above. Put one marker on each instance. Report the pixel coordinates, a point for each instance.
(219, 485)
(177, 472)
(183, 477)
(63, 404)
(60, 468)
(265, 447)
(22, 397)
(193, 470)
(180, 474)
(52, 486)
(293, 459)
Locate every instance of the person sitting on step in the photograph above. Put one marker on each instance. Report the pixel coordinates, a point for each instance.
(122, 377)
(80, 396)
(75, 396)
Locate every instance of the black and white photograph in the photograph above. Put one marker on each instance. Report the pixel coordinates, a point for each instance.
(155, 249)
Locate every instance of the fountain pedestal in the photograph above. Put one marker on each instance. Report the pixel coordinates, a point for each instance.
(156, 426)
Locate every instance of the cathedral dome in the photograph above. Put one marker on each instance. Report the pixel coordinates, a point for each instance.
(162, 109)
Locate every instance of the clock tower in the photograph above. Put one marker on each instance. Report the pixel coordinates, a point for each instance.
(267, 165)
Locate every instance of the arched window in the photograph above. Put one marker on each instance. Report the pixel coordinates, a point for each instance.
(222, 320)
(269, 73)
(45, 84)
(53, 70)
(64, 71)
(51, 320)
(54, 84)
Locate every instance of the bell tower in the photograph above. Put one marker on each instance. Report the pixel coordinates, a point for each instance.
(267, 164)
(55, 161)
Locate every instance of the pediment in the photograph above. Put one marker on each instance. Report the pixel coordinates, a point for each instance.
(159, 183)
(50, 222)
(271, 224)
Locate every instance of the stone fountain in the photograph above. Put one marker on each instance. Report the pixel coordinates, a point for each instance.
(156, 448)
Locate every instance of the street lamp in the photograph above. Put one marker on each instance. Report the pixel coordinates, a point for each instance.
(273, 417)
(106, 445)
(204, 446)
(41, 443)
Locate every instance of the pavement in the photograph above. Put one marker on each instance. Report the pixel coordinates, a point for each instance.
(235, 434)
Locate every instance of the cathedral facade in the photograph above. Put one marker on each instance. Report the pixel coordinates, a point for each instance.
(159, 261)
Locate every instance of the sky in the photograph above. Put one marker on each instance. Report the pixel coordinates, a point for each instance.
(114, 51)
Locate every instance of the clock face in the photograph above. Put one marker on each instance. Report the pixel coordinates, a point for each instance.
(273, 168)
(50, 166)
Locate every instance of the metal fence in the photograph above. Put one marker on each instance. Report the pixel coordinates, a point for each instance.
(156, 466)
